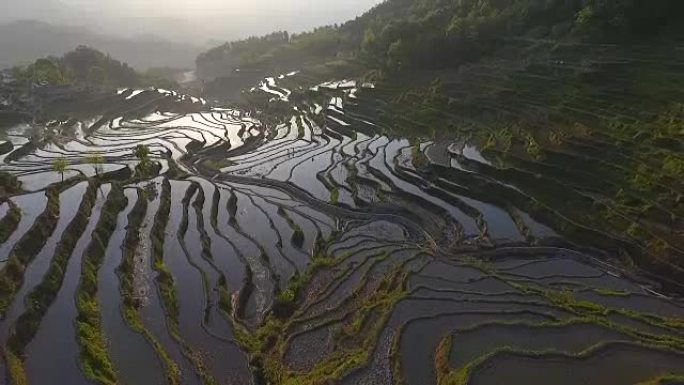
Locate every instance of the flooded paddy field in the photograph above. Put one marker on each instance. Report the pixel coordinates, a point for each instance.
(322, 248)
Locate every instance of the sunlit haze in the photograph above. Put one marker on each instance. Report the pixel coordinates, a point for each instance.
(194, 21)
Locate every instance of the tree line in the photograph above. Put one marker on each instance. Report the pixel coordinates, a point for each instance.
(401, 34)
(84, 66)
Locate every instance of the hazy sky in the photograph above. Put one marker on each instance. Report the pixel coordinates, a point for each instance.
(198, 21)
(193, 8)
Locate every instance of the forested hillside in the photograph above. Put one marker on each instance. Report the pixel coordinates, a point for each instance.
(84, 66)
(401, 34)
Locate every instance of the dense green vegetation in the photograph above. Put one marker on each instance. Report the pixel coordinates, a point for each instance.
(410, 34)
(126, 272)
(9, 222)
(9, 184)
(164, 277)
(95, 360)
(126, 269)
(297, 237)
(278, 49)
(434, 34)
(84, 66)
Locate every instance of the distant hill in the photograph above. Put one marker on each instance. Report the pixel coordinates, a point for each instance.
(21, 42)
(84, 67)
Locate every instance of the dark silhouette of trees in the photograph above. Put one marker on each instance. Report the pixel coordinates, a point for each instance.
(85, 66)
(403, 34)
(60, 165)
(89, 65)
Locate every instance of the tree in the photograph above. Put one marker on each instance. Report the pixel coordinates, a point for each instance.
(49, 71)
(96, 76)
(60, 165)
(142, 152)
(90, 66)
(96, 160)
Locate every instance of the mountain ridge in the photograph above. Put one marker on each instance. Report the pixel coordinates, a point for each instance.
(23, 41)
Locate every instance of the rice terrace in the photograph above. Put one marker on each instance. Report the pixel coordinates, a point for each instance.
(355, 205)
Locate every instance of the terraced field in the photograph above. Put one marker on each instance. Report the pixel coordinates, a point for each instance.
(325, 247)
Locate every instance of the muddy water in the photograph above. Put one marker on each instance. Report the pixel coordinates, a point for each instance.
(378, 163)
(53, 352)
(225, 255)
(30, 205)
(421, 337)
(285, 232)
(152, 313)
(246, 245)
(614, 365)
(134, 359)
(193, 299)
(203, 262)
(253, 220)
(69, 201)
(471, 344)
